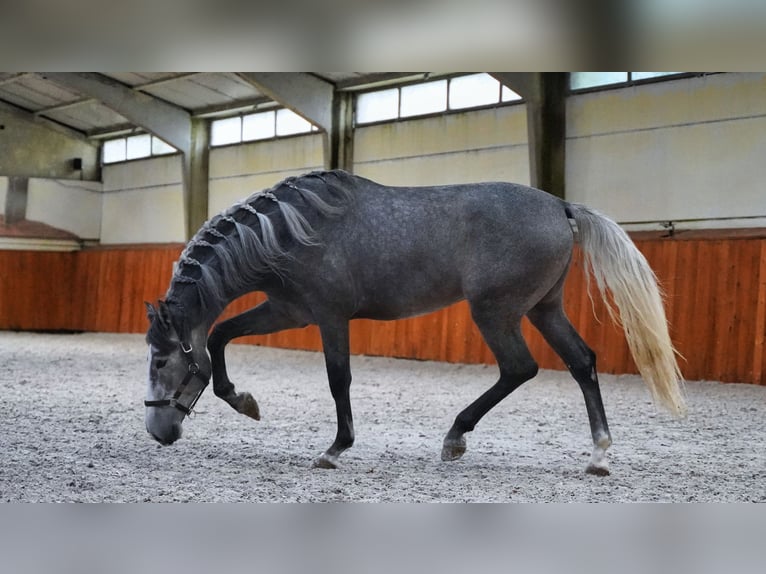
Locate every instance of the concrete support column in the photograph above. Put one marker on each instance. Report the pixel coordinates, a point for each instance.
(545, 96)
(196, 166)
(339, 142)
(16, 199)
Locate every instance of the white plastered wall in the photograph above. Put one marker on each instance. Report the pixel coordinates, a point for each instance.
(686, 149)
(240, 170)
(143, 201)
(73, 206)
(482, 145)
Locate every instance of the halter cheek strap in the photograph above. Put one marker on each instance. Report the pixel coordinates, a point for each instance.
(193, 371)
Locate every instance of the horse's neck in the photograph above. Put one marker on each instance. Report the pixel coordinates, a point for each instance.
(188, 296)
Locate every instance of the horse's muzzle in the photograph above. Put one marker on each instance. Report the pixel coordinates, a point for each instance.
(165, 434)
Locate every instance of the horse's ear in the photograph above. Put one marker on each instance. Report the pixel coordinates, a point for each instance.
(163, 313)
(151, 312)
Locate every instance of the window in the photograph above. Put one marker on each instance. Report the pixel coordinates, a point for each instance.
(134, 147)
(377, 106)
(591, 80)
(258, 126)
(226, 131)
(139, 146)
(114, 150)
(289, 123)
(422, 99)
(473, 91)
(432, 97)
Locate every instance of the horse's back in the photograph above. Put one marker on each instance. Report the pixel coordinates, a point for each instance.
(400, 251)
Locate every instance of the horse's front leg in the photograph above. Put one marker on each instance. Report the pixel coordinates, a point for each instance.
(336, 351)
(261, 320)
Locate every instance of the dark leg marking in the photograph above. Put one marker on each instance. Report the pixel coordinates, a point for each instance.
(552, 322)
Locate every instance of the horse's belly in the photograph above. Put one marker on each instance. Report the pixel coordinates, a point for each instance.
(406, 301)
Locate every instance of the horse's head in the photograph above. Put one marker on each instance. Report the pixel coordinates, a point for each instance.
(179, 370)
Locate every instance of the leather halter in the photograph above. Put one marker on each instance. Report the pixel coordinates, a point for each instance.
(192, 372)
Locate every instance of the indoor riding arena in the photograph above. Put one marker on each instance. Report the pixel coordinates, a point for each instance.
(111, 186)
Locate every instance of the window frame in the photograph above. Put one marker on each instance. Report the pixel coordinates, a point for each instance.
(499, 103)
(274, 111)
(630, 82)
(124, 138)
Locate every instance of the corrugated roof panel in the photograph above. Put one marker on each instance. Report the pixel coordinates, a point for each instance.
(33, 93)
(88, 117)
(229, 85)
(203, 91)
(140, 78)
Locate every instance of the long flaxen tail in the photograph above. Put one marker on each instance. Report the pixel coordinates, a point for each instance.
(619, 267)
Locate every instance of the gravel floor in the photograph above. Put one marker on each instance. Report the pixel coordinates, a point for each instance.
(72, 430)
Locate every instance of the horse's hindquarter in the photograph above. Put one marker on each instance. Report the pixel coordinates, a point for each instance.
(400, 252)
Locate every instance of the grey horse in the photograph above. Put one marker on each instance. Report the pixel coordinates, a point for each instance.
(328, 247)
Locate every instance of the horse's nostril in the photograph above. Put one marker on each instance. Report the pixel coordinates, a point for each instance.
(166, 440)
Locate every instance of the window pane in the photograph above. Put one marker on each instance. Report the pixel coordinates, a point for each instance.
(424, 98)
(226, 131)
(288, 123)
(139, 146)
(647, 75)
(509, 95)
(474, 90)
(377, 106)
(159, 147)
(114, 150)
(580, 80)
(258, 126)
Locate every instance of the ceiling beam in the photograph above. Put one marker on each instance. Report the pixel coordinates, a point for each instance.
(315, 100)
(306, 95)
(166, 121)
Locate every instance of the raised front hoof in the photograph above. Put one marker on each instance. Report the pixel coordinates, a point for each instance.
(247, 405)
(453, 449)
(597, 469)
(325, 461)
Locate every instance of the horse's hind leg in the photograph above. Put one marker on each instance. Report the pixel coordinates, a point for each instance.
(503, 335)
(261, 320)
(549, 318)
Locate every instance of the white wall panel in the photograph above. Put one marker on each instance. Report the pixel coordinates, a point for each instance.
(143, 201)
(684, 149)
(73, 206)
(239, 170)
(482, 145)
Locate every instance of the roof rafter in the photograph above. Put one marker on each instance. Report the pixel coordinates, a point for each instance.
(166, 121)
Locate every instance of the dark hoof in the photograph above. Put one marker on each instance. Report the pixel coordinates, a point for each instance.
(597, 470)
(453, 449)
(247, 405)
(325, 461)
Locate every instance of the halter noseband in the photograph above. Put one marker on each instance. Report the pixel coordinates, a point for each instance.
(193, 371)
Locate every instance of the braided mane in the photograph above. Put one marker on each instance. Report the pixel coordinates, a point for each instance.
(254, 236)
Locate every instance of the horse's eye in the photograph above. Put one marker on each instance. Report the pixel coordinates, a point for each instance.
(160, 363)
